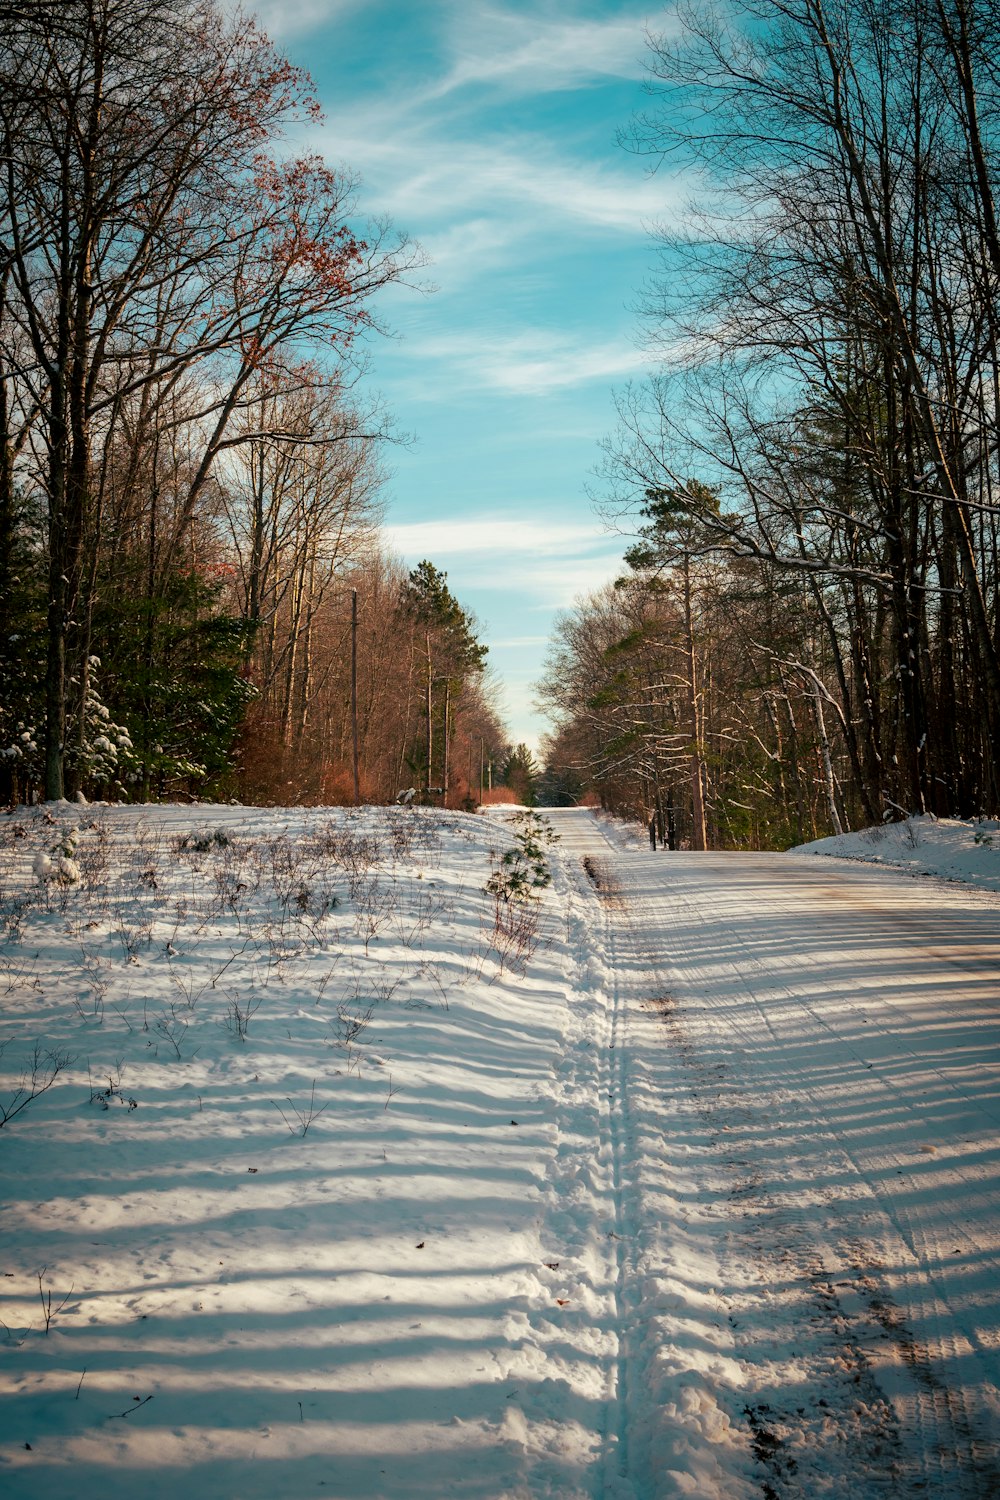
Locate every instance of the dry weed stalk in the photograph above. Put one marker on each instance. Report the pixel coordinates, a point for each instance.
(40, 1071)
(306, 1115)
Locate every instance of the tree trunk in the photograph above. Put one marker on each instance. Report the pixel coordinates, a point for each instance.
(698, 835)
(430, 719)
(447, 744)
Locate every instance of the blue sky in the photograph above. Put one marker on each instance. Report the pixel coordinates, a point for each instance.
(487, 133)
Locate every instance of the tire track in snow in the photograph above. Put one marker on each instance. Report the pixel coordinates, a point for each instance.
(618, 1480)
(930, 1402)
(588, 875)
(586, 1212)
(770, 1244)
(826, 1279)
(934, 1417)
(667, 1433)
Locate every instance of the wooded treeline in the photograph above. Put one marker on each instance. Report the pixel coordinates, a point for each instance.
(189, 478)
(808, 638)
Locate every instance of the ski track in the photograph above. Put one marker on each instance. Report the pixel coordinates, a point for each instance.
(806, 1293)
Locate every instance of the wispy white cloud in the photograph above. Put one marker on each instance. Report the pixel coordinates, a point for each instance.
(422, 143)
(440, 156)
(421, 177)
(282, 19)
(467, 250)
(549, 562)
(559, 585)
(513, 46)
(488, 535)
(501, 46)
(530, 363)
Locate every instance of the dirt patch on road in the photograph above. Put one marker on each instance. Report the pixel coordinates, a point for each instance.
(602, 879)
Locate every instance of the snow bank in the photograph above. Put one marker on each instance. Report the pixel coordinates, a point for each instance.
(945, 847)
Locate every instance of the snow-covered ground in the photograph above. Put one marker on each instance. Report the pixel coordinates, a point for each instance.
(945, 847)
(341, 1189)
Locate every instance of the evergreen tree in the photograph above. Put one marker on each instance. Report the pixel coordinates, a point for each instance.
(22, 645)
(452, 656)
(435, 607)
(174, 672)
(521, 773)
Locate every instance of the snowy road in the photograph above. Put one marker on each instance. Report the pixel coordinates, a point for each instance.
(805, 1140)
(331, 1194)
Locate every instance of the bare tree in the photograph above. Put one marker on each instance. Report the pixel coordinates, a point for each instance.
(831, 355)
(147, 228)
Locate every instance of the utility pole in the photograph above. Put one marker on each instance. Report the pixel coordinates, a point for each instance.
(430, 717)
(447, 743)
(698, 832)
(354, 694)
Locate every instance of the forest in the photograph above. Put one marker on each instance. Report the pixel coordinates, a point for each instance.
(805, 637)
(195, 594)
